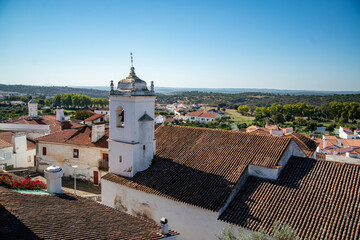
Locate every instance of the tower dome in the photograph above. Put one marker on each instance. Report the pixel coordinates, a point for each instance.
(132, 85)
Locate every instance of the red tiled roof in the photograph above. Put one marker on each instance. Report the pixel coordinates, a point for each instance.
(66, 216)
(318, 199)
(4, 144)
(202, 114)
(169, 120)
(347, 129)
(306, 144)
(77, 137)
(351, 142)
(94, 117)
(201, 166)
(50, 120)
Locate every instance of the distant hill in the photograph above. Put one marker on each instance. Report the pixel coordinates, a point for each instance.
(52, 90)
(170, 90)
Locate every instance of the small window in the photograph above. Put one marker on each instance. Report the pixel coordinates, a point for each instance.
(143, 147)
(76, 153)
(120, 159)
(44, 151)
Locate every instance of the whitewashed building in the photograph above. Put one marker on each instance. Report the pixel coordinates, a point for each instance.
(202, 116)
(17, 150)
(85, 147)
(346, 133)
(159, 119)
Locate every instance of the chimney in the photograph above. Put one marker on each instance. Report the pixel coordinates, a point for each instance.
(324, 141)
(65, 125)
(164, 226)
(19, 143)
(97, 131)
(53, 175)
(60, 114)
(340, 142)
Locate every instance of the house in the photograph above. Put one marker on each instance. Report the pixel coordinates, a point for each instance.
(346, 133)
(159, 119)
(169, 121)
(68, 216)
(96, 118)
(273, 130)
(202, 116)
(85, 147)
(17, 150)
(105, 111)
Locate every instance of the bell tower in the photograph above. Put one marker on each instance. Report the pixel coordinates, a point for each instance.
(131, 140)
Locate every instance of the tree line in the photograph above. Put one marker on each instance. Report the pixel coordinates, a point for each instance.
(277, 113)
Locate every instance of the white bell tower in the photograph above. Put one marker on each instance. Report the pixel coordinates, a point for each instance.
(132, 140)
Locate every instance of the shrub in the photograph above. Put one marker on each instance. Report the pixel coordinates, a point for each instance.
(28, 184)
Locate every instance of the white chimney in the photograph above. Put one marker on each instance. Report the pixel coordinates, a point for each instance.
(97, 132)
(324, 141)
(33, 108)
(164, 226)
(53, 176)
(60, 114)
(19, 142)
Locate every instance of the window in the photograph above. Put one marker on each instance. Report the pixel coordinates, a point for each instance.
(44, 151)
(120, 116)
(76, 153)
(120, 159)
(143, 147)
(104, 163)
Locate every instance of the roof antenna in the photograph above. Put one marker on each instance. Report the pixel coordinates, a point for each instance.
(132, 62)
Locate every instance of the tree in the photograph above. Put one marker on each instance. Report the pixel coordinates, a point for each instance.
(81, 114)
(243, 109)
(57, 100)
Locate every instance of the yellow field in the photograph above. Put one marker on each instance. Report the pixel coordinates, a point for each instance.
(237, 117)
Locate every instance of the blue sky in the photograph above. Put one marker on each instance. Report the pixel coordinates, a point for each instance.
(309, 45)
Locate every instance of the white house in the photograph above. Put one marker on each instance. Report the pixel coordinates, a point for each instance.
(105, 111)
(202, 116)
(86, 147)
(346, 133)
(17, 150)
(96, 118)
(159, 119)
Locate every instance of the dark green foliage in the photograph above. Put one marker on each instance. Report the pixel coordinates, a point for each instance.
(81, 114)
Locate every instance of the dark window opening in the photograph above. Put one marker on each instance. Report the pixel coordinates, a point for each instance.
(76, 153)
(44, 151)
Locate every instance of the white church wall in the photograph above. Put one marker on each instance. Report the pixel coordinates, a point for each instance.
(190, 221)
(62, 155)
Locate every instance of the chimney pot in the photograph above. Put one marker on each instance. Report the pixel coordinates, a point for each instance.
(164, 226)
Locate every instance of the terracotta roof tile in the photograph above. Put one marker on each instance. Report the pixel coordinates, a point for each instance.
(80, 136)
(66, 216)
(318, 199)
(200, 166)
(95, 116)
(351, 142)
(306, 144)
(202, 114)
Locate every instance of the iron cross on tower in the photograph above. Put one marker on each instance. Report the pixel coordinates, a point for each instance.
(132, 63)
